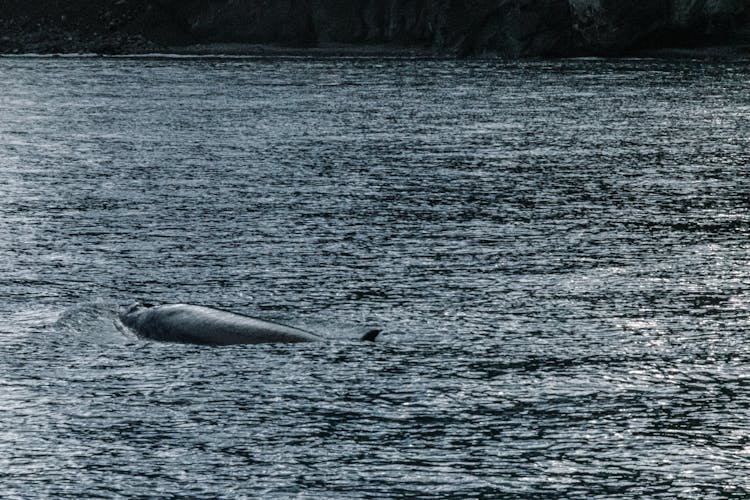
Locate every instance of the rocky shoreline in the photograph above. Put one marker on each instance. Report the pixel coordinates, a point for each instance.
(704, 29)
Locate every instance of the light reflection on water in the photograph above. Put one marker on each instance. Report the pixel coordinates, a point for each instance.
(557, 253)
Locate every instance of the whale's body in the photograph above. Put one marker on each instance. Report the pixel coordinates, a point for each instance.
(192, 324)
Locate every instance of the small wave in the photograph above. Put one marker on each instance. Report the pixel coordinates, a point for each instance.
(167, 55)
(66, 55)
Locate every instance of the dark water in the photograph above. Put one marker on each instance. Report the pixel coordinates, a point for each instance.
(558, 254)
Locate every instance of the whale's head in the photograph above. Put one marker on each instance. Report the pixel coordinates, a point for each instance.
(129, 314)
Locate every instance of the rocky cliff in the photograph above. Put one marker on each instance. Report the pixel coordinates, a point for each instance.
(615, 25)
(515, 28)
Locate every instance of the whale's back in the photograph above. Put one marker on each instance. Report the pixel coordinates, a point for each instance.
(204, 325)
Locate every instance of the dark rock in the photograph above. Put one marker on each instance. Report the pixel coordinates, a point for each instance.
(615, 26)
(512, 28)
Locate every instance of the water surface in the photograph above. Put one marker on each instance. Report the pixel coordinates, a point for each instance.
(557, 251)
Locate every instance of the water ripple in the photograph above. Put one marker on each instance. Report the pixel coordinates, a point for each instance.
(557, 252)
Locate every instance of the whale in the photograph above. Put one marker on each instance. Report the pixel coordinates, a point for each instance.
(194, 324)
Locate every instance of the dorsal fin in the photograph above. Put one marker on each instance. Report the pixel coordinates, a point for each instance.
(370, 335)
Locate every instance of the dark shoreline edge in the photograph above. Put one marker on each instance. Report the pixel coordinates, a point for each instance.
(719, 53)
(322, 51)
